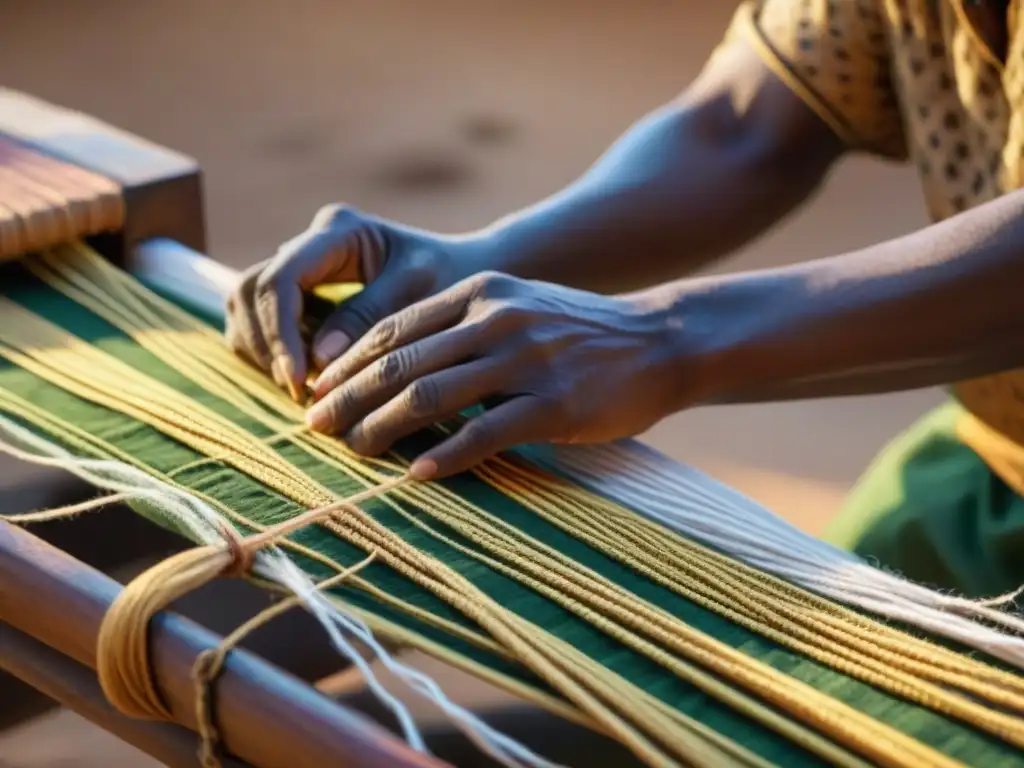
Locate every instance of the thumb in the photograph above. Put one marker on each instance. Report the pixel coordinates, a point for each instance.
(394, 290)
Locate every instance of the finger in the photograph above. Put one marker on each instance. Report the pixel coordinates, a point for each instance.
(321, 255)
(401, 328)
(392, 292)
(398, 285)
(353, 399)
(424, 402)
(242, 327)
(280, 316)
(521, 420)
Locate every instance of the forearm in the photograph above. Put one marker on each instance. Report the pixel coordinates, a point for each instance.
(938, 306)
(685, 186)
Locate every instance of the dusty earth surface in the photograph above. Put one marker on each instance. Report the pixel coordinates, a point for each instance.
(444, 114)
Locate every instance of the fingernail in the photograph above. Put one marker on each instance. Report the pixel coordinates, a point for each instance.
(318, 419)
(331, 347)
(423, 469)
(325, 383)
(283, 368)
(277, 372)
(354, 439)
(308, 390)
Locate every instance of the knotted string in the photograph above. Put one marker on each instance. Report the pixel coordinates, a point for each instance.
(123, 662)
(210, 663)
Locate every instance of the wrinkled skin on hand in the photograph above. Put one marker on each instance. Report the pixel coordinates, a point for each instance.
(565, 366)
(398, 266)
(431, 336)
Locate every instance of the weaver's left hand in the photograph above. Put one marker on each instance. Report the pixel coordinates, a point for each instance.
(563, 366)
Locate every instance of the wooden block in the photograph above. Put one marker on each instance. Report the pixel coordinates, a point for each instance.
(161, 189)
(45, 201)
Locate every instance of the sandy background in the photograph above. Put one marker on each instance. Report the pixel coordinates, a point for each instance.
(443, 114)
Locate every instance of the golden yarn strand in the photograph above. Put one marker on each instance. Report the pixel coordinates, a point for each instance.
(878, 675)
(610, 601)
(649, 755)
(671, 553)
(69, 510)
(53, 357)
(122, 646)
(781, 623)
(126, 680)
(73, 435)
(91, 445)
(628, 614)
(53, 354)
(835, 718)
(707, 684)
(88, 444)
(502, 625)
(122, 650)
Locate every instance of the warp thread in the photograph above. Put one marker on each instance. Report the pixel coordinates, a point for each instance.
(697, 506)
(289, 433)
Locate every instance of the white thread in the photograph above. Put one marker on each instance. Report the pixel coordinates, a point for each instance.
(204, 524)
(503, 749)
(696, 505)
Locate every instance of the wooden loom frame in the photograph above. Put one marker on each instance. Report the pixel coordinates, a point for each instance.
(52, 604)
(51, 607)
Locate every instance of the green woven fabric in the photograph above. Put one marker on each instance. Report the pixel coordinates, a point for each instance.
(259, 504)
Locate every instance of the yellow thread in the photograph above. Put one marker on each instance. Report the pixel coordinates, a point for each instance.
(822, 747)
(673, 556)
(637, 742)
(69, 510)
(285, 434)
(122, 648)
(780, 623)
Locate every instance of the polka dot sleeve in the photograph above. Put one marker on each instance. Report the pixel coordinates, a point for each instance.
(834, 54)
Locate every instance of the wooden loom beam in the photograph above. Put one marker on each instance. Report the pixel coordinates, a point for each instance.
(76, 687)
(265, 716)
(161, 188)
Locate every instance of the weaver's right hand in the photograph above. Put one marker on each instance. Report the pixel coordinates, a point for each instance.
(397, 265)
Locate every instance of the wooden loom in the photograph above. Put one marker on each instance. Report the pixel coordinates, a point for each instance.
(63, 177)
(141, 206)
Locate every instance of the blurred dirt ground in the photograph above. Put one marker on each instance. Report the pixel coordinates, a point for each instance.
(443, 114)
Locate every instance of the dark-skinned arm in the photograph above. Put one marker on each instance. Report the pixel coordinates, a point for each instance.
(684, 187)
(938, 306)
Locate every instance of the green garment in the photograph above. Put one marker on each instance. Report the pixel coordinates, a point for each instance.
(931, 509)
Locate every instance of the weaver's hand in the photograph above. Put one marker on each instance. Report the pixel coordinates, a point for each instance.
(561, 365)
(398, 266)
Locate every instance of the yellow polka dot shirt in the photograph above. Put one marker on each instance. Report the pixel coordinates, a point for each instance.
(936, 83)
